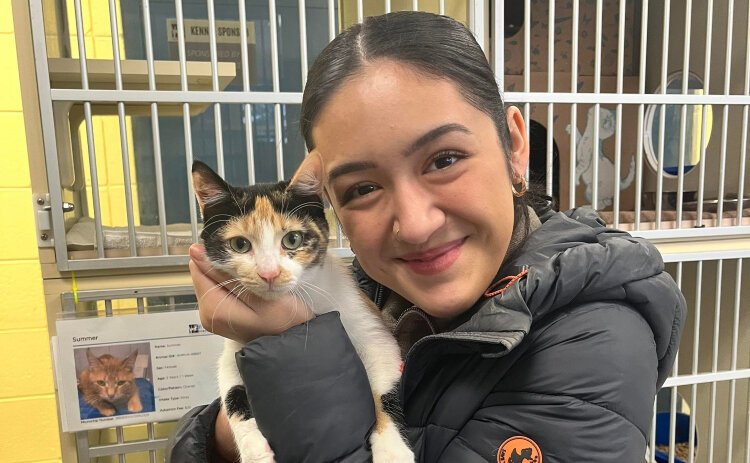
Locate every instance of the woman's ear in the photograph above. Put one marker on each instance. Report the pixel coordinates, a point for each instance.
(308, 180)
(519, 141)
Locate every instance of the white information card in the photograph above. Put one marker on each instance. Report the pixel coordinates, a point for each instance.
(130, 369)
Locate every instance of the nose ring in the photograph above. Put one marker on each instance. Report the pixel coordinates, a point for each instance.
(397, 229)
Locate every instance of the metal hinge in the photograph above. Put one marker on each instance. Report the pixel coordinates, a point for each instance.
(43, 209)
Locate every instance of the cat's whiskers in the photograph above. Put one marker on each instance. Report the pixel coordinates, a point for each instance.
(307, 324)
(320, 291)
(238, 295)
(299, 296)
(229, 312)
(307, 204)
(221, 285)
(308, 305)
(215, 219)
(302, 288)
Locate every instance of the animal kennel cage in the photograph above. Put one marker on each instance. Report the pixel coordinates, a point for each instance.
(612, 121)
(639, 108)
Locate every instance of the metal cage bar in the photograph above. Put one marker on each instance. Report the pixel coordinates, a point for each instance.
(161, 208)
(618, 112)
(733, 365)
(186, 118)
(574, 107)
(743, 148)
(215, 88)
(704, 123)
(550, 89)
(248, 115)
(89, 132)
(123, 130)
(597, 106)
(683, 113)
(662, 113)
(715, 356)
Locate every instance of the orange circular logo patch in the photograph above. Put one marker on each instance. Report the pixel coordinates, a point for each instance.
(519, 449)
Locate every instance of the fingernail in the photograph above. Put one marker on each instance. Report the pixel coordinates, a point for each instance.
(197, 252)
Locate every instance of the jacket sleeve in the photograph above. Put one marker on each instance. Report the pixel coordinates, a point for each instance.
(308, 391)
(193, 437)
(582, 391)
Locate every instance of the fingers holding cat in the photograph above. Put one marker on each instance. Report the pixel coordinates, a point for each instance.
(242, 318)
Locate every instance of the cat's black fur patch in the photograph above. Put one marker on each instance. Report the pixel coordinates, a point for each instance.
(236, 403)
(392, 407)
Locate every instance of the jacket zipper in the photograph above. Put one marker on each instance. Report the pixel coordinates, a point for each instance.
(379, 296)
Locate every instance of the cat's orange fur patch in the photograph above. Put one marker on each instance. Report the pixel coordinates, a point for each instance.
(251, 225)
(381, 418)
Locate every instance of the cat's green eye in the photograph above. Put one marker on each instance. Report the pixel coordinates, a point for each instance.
(239, 244)
(292, 240)
(101, 383)
(120, 383)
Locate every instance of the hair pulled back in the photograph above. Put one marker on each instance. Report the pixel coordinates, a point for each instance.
(435, 45)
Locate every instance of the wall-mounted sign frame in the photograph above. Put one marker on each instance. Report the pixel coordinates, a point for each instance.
(132, 369)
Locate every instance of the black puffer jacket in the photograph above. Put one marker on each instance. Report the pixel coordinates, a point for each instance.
(570, 357)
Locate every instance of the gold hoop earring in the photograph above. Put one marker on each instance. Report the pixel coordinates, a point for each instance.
(524, 187)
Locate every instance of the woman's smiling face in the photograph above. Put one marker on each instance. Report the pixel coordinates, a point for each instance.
(419, 181)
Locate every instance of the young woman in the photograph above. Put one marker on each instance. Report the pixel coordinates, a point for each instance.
(526, 333)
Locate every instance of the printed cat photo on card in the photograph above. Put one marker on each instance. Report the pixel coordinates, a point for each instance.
(114, 380)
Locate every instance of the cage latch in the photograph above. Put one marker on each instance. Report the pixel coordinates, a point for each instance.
(44, 236)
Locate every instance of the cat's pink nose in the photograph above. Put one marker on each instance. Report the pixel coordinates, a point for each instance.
(269, 275)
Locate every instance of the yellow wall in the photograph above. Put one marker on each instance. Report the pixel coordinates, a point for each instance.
(28, 428)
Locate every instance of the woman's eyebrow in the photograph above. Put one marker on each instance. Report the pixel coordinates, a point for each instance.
(434, 134)
(350, 167)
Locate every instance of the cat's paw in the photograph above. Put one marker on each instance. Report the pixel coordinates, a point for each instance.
(256, 452)
(107, 411)
(134, 404)
(388, 446)
(135, 408)
(253, 447)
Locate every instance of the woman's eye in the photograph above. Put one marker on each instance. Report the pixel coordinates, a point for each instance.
(358, 191)
(292, 240)
(239, 244)
(363, 190)
(444, 160)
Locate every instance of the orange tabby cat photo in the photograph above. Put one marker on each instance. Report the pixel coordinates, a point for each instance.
(109, 383)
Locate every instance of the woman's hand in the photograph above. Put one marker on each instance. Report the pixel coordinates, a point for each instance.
(241, 319)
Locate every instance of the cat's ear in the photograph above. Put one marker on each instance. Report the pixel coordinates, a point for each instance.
(308, 180)
(93, 359)
(129, 362)
(208, 186)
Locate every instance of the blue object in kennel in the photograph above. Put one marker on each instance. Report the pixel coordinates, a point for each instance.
(682, 434)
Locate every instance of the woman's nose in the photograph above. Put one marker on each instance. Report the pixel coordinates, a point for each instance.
(417, 216)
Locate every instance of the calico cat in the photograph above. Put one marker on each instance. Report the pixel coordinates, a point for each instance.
(273, 238)
(108, 384)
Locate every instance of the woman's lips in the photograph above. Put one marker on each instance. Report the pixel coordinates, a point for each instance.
(435, 260)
